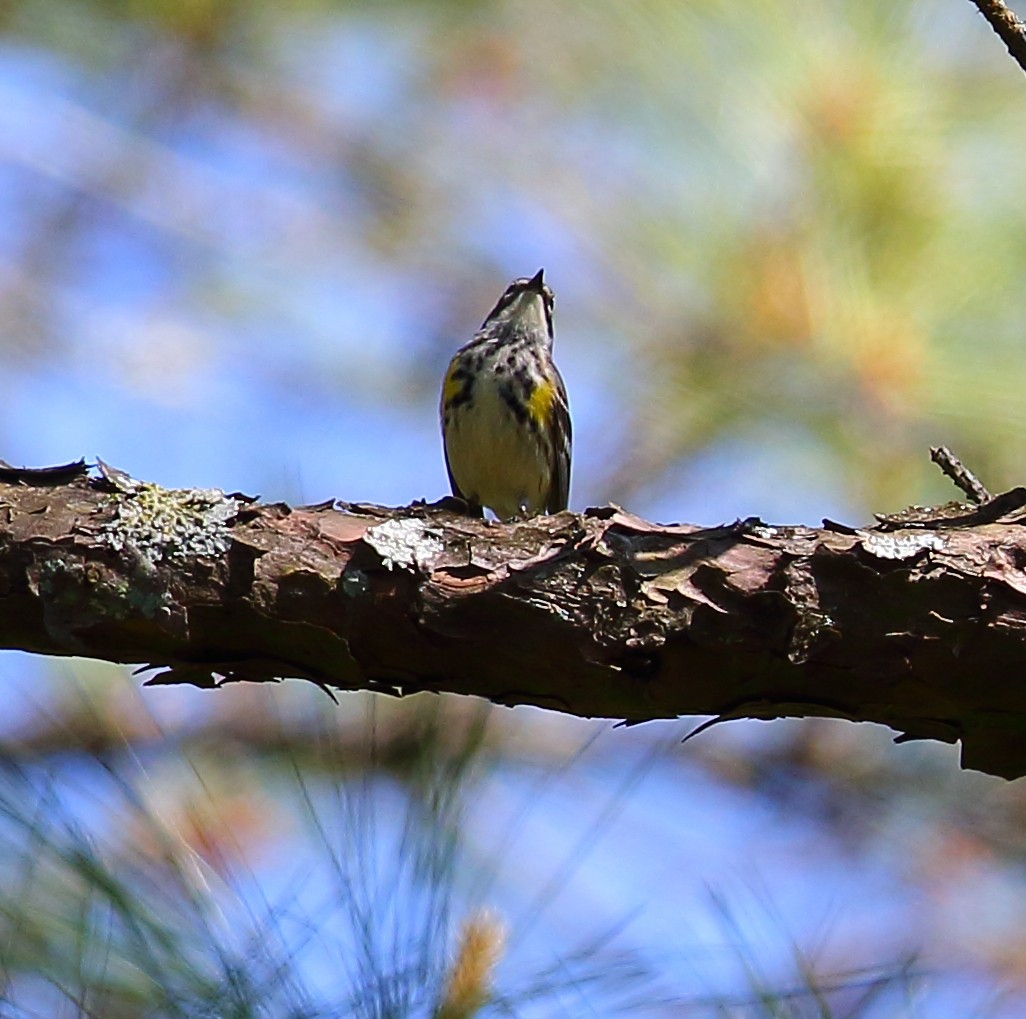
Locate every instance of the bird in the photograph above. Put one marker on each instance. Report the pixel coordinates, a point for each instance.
(506, 427)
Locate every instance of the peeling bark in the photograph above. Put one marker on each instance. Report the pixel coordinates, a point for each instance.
(918, 622)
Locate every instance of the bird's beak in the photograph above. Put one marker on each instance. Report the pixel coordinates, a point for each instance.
(537, 281)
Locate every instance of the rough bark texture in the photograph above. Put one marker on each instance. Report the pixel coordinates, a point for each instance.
(918, 622)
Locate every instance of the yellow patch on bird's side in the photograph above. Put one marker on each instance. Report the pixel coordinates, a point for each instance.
(540, 403)
(452, 386)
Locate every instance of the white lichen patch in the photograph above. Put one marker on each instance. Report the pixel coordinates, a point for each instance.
(169, 524)
(892, 545)
(404, 543)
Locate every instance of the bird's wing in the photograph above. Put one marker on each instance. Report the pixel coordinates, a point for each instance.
(560, 431)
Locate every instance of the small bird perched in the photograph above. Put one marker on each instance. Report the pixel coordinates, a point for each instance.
(505, 417)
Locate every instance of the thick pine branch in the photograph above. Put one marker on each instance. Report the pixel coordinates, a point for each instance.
(918, 622)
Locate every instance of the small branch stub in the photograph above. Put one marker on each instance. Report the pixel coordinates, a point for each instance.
(960, 474)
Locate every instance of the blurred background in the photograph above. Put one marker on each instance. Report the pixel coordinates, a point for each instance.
(239, 242)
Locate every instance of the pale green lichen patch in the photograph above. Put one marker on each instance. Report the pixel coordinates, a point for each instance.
(169, 524)
(77, 596)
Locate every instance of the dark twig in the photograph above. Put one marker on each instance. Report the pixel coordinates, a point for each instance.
(1008, 26)
(960, 474)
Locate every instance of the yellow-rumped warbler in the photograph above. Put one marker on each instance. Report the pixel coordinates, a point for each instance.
(505, 418)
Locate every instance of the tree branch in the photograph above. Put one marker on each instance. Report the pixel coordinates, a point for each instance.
(959, 474)
(1007, 25)
(918, 622)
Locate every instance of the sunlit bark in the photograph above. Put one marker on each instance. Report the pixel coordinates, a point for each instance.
(917, 622)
